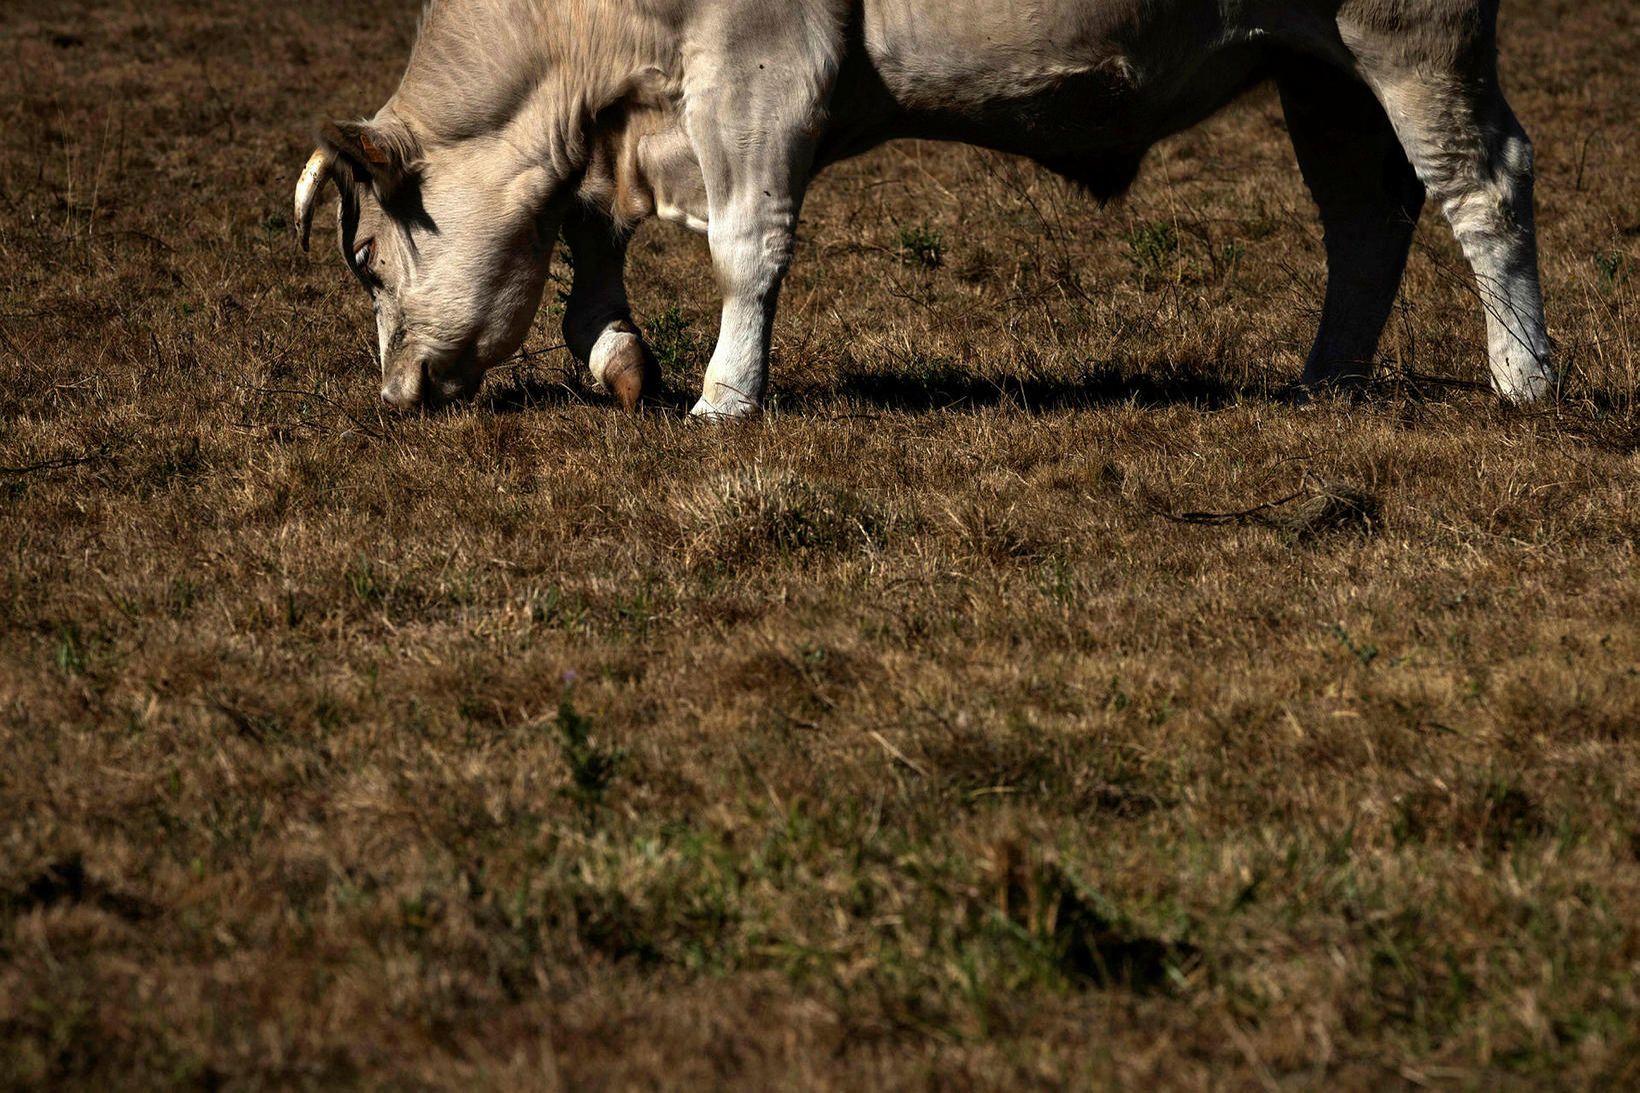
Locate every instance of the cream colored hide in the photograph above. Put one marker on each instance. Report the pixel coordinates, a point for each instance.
(520, 121)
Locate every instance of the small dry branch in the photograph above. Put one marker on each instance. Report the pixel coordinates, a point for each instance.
(1316, 508)
(59, 462)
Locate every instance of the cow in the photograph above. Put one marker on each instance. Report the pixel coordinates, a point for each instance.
(520, 122)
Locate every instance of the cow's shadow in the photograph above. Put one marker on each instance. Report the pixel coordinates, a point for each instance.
(958, 389)
(530, 391)
(953, 390)
(527, 391)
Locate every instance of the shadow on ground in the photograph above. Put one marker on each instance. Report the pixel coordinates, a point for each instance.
(523, 391)
(964, 389)
(956, 389)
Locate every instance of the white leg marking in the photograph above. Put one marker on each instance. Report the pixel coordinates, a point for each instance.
(613, 347)
(751, 255)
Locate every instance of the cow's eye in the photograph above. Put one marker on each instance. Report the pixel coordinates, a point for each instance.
(363, 254)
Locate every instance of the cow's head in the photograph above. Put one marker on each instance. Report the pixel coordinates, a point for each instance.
(451, 241)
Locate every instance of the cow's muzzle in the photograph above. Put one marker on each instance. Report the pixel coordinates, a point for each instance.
(417, 385)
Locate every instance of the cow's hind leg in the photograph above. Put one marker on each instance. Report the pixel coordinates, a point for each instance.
(1369, 199)
(1439, 86)
(598, 326)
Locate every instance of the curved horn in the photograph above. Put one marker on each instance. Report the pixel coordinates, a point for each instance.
(313, 179)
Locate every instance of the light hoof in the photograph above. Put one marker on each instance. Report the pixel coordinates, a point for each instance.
(622, 366)
(1526, 386)
(724, 408)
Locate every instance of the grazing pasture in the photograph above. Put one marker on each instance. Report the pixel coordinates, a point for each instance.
(1033, 697)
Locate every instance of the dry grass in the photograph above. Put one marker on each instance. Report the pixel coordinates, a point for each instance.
(899, 737)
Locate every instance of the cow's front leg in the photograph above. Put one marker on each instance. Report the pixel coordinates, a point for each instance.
(753, 133)
(751, 250)
(598, 326)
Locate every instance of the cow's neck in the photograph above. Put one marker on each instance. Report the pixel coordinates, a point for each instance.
(533, 72)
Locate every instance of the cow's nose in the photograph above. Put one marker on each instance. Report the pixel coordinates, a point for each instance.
(406, 386)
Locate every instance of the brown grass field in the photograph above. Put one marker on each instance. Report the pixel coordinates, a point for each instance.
(907, 736)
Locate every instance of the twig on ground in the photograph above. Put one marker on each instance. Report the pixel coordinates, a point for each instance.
(59, 462)
(1240, 516)
(1322, 507)
(369, 430)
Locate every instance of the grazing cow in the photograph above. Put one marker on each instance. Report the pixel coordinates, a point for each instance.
(520, 120)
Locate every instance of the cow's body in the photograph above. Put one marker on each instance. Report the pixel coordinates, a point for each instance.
(716, 113)
(1082, 88)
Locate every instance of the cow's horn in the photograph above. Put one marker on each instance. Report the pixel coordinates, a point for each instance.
(307, 191)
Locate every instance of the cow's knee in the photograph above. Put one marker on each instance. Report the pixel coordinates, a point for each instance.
(1490, 197)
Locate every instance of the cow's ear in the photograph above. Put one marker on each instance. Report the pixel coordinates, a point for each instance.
(383, 153)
